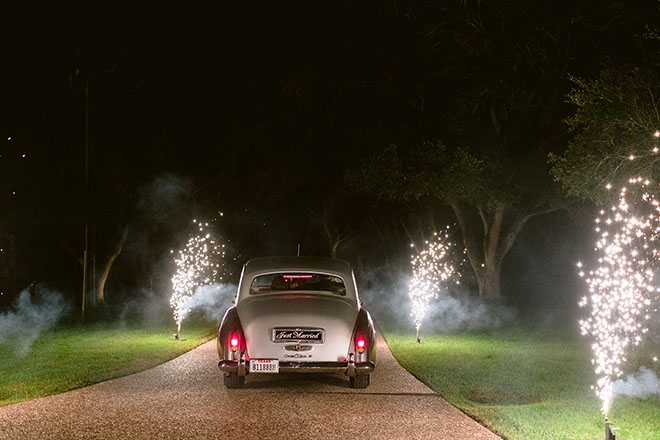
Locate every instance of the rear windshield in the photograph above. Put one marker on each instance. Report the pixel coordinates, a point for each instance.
(307, 281)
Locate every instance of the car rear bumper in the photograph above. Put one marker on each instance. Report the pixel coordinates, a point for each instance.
(349, 368)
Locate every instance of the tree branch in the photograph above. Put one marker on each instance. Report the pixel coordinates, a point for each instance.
(472, 237)
(484, 220)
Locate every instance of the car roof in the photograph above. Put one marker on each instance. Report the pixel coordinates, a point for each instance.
(330, 266)
(279, 264)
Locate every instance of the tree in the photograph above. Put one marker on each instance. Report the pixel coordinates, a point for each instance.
(336, 230)
(93, 201)
(616, 123)
(493, 84)
(498, 99)
(492, 199)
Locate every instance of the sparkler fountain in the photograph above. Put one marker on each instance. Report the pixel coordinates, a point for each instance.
(197, 264)
(622, 286)
(433, 269)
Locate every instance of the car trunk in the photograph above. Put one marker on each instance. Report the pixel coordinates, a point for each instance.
(260, 315)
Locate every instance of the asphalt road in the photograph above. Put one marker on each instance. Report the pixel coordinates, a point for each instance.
(186, 399)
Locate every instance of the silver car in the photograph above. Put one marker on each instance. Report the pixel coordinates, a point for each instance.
(297, 314)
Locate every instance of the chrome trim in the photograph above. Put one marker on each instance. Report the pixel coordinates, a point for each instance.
(318, 367)
(297, 356)
(228, 366)
(298, 347)
(297, 341)
(307, 367)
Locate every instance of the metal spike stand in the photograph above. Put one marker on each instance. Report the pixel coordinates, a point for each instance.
(177, 337)
(610, 433)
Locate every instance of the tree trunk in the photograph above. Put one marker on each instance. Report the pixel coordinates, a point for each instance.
(488, 280)
(488, 236)
(335, 238)
(333, 249)
(100, 290)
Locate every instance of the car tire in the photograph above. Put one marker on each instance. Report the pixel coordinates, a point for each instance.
(233, 380)
(360, 381)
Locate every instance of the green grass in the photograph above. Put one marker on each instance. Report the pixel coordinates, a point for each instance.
(524, 385)
(74, 357)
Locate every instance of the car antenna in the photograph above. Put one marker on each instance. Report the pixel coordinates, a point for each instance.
(298, 250)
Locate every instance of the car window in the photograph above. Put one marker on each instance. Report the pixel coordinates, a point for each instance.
(307, 281)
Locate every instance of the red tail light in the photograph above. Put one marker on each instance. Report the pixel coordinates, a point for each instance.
(234, 342)
(360, 343)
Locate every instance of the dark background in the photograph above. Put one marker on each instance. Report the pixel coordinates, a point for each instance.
(258, 112)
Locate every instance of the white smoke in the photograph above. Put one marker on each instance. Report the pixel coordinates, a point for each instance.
(449, 313)
(35, 311)
(212, 300)
(147, 308)
(388, 302)
(641, 385)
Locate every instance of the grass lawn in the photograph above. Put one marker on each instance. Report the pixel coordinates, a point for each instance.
(524, 385)
(74, 357)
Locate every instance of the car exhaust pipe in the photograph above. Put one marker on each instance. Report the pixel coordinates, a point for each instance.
(242, 365)
(350, 368)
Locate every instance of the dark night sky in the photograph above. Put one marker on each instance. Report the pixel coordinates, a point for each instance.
(256, 111)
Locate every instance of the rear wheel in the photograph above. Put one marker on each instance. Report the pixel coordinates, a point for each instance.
(233, 380)
(360, 381)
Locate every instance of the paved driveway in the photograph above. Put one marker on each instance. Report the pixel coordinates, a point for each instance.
(186, 399)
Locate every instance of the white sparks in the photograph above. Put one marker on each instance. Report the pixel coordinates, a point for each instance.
(433, 269)
(622, 287)
(197, 264)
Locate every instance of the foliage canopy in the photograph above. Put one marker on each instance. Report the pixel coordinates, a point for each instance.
(615, 129)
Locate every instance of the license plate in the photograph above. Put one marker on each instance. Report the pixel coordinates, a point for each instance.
(264, 366)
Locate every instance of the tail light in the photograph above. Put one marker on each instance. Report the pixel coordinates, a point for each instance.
(360, 343)
(231, 339)
(364, 338)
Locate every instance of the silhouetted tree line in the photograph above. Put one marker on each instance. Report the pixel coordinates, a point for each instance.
(262, 112)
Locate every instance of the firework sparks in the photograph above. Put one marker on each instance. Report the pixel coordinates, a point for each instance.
(622, 287)
(433, 269)
(199, 263)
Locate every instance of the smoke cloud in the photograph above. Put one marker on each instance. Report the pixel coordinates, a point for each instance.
(641, 385)
(212, 300)
(35, 311)
(386, 298)
(449, 313)
(167, 196)
(147, 308)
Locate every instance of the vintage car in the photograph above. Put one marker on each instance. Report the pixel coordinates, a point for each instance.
(297, 314)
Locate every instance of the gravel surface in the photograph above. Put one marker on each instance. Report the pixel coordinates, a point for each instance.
(186, 399)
